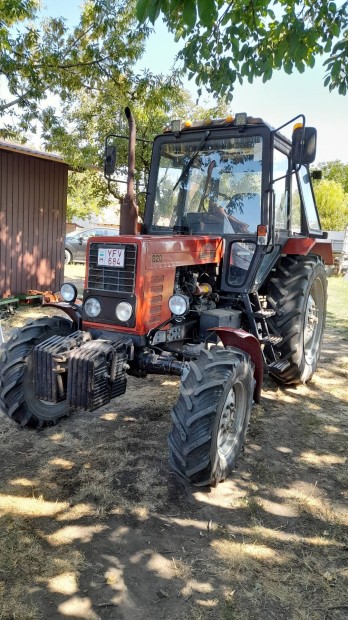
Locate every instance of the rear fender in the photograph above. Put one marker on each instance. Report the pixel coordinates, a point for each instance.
(241, 339)
(74, 311)
(306, 245)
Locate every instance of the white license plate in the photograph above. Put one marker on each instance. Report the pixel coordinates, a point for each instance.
(111, 257)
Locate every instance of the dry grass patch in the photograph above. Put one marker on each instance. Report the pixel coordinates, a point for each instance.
(293, 579)
(28, 564)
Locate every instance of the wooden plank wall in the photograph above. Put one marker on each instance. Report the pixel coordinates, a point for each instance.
(32, 223)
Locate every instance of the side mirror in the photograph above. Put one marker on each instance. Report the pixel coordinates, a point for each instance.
(110, 160)
(304, 145)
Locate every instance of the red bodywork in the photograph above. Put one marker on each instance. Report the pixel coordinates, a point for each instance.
(157, 261)
(304, 245)
(246, 342)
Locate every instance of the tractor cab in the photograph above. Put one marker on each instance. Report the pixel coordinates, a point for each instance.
(231, 176)
(237, 178)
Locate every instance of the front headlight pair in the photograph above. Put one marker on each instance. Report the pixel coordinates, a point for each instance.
(123, 310)
(179, 305)
(92, 306)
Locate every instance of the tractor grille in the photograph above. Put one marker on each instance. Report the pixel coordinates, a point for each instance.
(115, 279)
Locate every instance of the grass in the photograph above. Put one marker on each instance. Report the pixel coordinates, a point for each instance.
(337, 316)
(26, 558)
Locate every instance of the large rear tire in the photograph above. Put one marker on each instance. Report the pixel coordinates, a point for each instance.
(211, 417)
(17, 396)
(298, 294)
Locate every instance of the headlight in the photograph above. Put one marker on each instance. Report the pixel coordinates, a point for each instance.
(68, 292)
(92, 307)
(179, 304)
(124, 311)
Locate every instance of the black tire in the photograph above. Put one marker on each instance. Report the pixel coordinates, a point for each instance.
(211, 416)
(298, 294)
(17, 398)
(67, 257)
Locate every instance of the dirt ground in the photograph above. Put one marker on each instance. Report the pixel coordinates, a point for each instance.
(94, 525)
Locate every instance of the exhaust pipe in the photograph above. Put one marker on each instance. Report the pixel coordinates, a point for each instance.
(129, 209)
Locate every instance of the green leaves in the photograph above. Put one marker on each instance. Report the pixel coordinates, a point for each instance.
(256, 37)
(12, 11)
(148, 9)
(189, 13)
(178, 12)
(52, 58)
(207, 12)
(336, 171)
(332, 202)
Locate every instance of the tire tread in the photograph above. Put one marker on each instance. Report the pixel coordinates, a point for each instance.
(194, 413)
(13, 368)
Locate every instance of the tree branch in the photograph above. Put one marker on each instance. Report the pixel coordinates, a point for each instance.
(10, 104)
(84, 33)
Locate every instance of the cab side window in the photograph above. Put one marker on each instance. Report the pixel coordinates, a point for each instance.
(303, 202)
(281, 193)
(307, 196)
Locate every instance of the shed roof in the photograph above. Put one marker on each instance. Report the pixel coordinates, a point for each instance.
(26, 150)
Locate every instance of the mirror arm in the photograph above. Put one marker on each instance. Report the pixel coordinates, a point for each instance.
(291, 121)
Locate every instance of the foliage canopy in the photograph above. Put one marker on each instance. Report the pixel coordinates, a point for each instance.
(40, 58)
(332, 204)
(336, 171)
(72, 83)
(332, 195)
(227, 42)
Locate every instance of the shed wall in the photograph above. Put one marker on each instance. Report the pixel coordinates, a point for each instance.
(32, 223)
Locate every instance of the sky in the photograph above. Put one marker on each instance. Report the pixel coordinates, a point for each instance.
(277, 101)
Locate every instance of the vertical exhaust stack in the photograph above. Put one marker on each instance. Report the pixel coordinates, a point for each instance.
(129, 209)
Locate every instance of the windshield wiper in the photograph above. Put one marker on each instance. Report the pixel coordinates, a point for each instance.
(192, 159)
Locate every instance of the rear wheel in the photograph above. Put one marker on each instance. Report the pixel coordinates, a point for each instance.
(17, 395)
(298, 294)
(211, 417)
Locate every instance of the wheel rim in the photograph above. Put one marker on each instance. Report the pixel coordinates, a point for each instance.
(231, 421)
(313, 322)
(67, 257)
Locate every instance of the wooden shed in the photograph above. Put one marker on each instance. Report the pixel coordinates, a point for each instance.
(33, 195)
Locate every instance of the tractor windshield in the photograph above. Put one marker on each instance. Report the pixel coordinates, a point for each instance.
(209, 186)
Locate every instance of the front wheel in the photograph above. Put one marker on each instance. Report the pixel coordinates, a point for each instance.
(211, 417)
(17, 393)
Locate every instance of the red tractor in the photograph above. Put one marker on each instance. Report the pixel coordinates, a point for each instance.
(226, 278)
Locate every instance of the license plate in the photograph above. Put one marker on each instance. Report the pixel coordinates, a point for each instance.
(111, 257)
